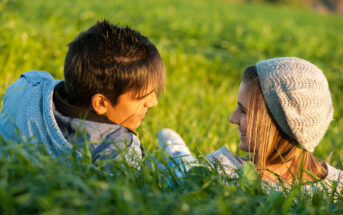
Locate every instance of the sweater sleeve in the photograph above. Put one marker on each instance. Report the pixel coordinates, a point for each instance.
(224, 161)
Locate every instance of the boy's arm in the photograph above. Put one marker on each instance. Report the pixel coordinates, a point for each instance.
(126, 150)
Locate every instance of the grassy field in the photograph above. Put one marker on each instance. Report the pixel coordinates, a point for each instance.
(205, 46)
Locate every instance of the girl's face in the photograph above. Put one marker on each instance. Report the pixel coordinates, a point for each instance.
(239, 116)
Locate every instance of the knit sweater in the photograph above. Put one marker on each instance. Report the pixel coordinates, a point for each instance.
(230, 163)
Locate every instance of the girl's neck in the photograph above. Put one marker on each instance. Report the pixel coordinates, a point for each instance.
(284, 172)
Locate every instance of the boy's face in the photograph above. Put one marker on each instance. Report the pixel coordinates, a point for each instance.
(129, 112)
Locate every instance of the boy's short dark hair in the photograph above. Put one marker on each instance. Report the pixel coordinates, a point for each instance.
(111, 60)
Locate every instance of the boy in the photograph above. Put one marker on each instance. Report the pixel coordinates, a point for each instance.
(112, 76)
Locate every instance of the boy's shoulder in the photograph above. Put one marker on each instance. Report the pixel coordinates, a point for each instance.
(36, 77)
(32, 83)
(27, 109)
(33, 78)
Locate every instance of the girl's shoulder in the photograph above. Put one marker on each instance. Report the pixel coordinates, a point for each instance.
(333, 181)
(334, 175)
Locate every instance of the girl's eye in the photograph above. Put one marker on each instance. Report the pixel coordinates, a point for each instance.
(242, 111)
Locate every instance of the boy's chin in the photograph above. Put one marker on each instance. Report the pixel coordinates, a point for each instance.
(133, 126)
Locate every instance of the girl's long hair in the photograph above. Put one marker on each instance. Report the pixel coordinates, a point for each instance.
(270, 145)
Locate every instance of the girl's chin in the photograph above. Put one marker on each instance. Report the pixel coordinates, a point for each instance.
(244, 146)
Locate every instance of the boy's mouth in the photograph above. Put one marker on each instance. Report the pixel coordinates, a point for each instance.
(141, 116)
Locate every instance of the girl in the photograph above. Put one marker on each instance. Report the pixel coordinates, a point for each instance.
(283, 110)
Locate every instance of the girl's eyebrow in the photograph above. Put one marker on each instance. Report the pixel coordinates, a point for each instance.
(241, 106)
(143, 96)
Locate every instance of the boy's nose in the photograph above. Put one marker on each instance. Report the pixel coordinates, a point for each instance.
(152, 100)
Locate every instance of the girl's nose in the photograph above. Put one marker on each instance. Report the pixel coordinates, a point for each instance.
(234, 117)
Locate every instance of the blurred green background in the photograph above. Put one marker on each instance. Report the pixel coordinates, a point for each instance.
(322, 6)
(205, 46)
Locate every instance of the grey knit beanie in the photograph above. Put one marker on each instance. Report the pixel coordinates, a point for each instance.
(297, 94)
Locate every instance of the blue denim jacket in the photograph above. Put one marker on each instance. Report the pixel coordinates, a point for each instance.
(29, 115)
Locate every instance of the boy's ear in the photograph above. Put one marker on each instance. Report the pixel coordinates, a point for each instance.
(100, 104)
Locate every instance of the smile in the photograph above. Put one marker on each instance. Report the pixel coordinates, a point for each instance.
(141, 116)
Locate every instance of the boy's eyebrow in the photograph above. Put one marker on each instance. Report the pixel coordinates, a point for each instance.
(143, 96)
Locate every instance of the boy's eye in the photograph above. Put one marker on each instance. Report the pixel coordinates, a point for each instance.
(140, 98)
(145, 95)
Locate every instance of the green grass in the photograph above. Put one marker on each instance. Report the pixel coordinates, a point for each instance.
(205, 46)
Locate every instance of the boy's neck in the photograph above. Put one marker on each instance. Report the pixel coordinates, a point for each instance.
(63, 106)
